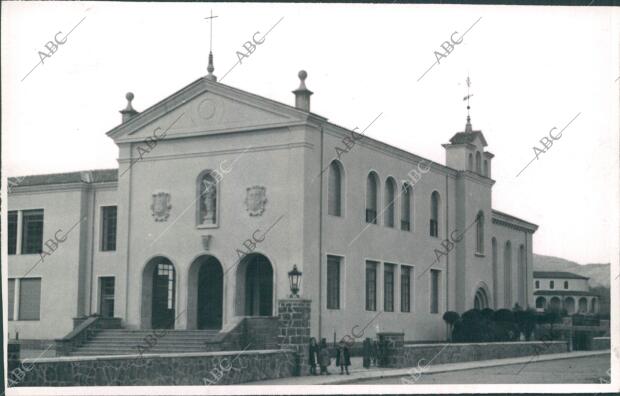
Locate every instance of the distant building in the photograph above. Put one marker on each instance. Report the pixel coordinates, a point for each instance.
(564, 290)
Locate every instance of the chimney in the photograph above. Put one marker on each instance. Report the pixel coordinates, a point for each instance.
(128, 112)
(302, 94)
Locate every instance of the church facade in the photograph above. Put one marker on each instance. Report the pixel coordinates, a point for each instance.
(220, 192)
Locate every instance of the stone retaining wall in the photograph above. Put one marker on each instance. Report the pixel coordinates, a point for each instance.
(426, 354)
(205, 368)
(600, 343)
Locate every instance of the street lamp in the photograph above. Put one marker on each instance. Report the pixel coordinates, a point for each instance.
(293, 276)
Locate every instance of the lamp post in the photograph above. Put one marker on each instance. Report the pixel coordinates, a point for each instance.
(293, 276)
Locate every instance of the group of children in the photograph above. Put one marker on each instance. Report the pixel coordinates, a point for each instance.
(320, 354)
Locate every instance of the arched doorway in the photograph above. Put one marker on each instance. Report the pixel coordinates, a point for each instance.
(541, 303)
(569, 305)
(255, 286)
(555, 303)
(206, 293)
(158, 294)
(481, 300)
(583, 305)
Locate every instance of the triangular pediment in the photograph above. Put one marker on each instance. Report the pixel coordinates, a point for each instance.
(206, 107)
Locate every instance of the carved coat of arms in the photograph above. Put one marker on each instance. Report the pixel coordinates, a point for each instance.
(161, 206)
(255, 200)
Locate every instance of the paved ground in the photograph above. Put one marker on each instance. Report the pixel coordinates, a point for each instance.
(575, 367)
(576, 370)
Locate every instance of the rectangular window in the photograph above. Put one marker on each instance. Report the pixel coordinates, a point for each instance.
(29, 298)
(551, 284)
(537, 284)
(11, 294)
(388, 288)
(566, 284)
(108, 228)
(405, 289)
(106, 296)
(32, 231)
(333, 282)
(371, 286)
(12, 232)
(435, 291)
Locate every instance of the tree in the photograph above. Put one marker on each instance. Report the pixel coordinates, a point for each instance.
(450, 317)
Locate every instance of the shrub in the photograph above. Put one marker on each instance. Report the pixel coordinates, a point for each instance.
(504, 325)
(451, 317)
(526, 321)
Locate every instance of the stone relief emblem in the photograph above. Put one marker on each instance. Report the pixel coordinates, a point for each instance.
(161, 206)
(255, 200)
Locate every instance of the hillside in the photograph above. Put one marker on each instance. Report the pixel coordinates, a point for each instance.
(598, 273)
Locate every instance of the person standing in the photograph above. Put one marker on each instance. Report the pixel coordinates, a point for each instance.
(324, 358)
(313, 355)
(366, 352)
(343, 358)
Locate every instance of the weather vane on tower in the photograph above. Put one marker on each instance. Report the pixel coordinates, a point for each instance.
(210, 68)
(468, 125)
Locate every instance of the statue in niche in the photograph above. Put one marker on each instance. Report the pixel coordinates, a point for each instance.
(208, 207)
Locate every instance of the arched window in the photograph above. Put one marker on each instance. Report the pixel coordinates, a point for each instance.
(371, 197)
(434, 223)
(480, 233)
(334, 189)
(470, 162)
(486, 168)
(508, 275)
(390, 197)
(495, 270)
(405, 213)
(207, 197)
(478, 163)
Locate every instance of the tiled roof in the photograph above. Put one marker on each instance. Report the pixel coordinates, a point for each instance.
(467, 137)
(557, 274)
(91, 176)
(563, 293)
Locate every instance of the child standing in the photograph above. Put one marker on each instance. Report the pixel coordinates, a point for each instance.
(343, 357)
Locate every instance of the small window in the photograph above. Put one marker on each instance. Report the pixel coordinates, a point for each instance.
(11, 294)
(388, 288)
(478, 163)
(566, 284)
(537, 284)
(29, 298)
(32, 231)
(108, 228)
(435, 291)
(333, 282)
(371, 286)
(551, 284)
(12, 232)
(434, 223)
(405, 289)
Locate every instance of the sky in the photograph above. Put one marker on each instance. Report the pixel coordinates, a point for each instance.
(531, 69)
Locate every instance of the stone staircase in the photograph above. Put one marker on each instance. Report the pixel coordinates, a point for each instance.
(129, 342)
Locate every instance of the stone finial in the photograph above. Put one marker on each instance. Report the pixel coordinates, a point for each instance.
(302, 94)
(211, 68)
(468, 124)
(128, 112)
